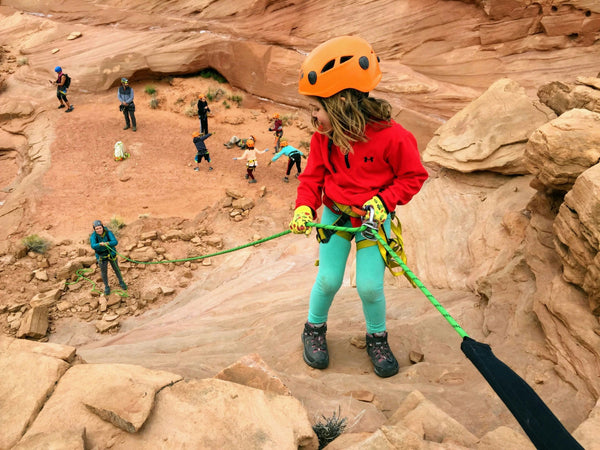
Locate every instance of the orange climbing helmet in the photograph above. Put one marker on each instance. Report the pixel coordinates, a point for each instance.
(249, 142)
(337, 64)
(283, 143)
(276, 116)
(195, 134)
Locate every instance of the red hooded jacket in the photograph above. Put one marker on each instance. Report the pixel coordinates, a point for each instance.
(387, 165)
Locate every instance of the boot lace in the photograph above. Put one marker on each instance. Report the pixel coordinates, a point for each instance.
(381, 351)
(316, 340)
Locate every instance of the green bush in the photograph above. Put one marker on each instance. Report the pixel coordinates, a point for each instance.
(214, 95)
(150, 90)
(236, 99)
(226, 105)
(36, 244)
(212, 73)
(154, 103)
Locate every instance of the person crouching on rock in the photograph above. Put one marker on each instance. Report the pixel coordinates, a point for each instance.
(294, 158)
(103, 241)
(251, 162)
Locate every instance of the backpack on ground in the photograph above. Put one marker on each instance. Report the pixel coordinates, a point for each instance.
(67, 81)
(120, 153)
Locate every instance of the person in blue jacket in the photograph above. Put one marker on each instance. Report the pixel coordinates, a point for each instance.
(294, 156)
(125, 95)
(103, 242)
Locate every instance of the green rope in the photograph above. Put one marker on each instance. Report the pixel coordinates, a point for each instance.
(422, 287)
(381, 240)
(80, 276)
(193, 258)
(407, 271)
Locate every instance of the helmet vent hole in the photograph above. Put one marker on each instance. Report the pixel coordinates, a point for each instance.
(328, 66)
(343, 59)
(312, 77)
(363, 62)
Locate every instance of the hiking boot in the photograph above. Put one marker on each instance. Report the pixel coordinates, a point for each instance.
(196, 169)
(381, 355)
(298, 174)
(251, 181)
(61, 106)
(106, 290)
(210, 168)
(286, 179)
(134, 128)
(315, 346)
(69, 109)
(123, 285)
(246, 176)
(126, 127)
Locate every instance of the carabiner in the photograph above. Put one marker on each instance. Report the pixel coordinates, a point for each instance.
(371, 230)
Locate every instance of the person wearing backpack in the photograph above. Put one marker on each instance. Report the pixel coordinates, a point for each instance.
(63, 81)
(125, 96)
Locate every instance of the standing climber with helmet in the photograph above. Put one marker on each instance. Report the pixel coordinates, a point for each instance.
(62, 84)
(103, 241)
(277, 128)
(294, 158)
(125, 95)
(360, 159)
(201, 150)
(203, 111)
(251, 162)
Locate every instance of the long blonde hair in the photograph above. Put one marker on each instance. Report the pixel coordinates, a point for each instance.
(349, 111)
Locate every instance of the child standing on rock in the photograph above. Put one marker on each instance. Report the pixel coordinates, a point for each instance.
(360, 159)
(251, 162)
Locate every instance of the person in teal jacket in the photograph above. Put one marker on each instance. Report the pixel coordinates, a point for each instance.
(294, 156)
(103, 242)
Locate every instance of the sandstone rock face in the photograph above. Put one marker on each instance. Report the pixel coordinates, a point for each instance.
(490, 133)
(481, 39)
(577, 229)
(561, 97)
(559, 151)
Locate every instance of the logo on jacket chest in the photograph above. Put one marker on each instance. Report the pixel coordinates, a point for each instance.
(369, 159)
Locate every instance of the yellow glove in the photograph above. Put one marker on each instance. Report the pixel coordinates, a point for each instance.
(302, 215)
(379, 211)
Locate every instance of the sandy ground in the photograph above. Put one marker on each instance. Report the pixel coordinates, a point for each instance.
(158, 179)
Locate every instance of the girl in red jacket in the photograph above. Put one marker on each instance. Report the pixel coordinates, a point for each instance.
(359, 159)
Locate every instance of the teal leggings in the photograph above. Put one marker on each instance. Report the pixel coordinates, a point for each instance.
(370, 269)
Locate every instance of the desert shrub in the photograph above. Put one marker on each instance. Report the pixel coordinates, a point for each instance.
(154, 103)
(304, 144)
(36, 244)
(330, 428)
(214, 95)
(150, 90)
(115, 224)
(191, 111)
(22, 61)
(212, 73)
(286, 119)
(236, 99)
(226, 105)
